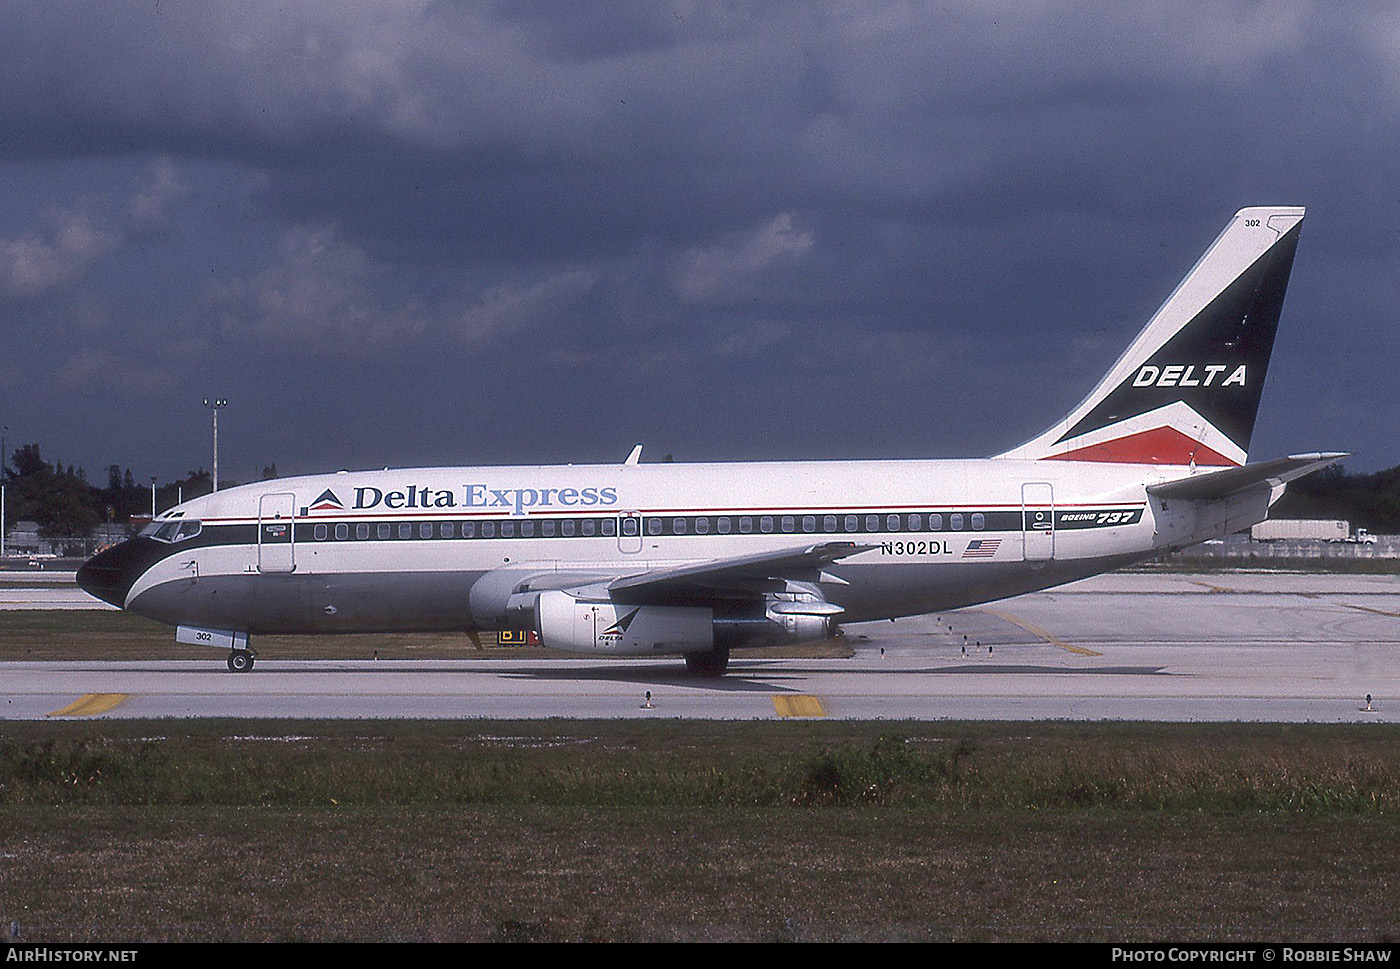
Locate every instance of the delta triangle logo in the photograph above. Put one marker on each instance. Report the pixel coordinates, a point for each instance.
(620, 627)
(327, 502)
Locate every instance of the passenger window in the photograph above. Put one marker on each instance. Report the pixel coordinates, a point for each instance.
(547, 529)
(852, 523)
(567, 527)
(935, 523)
(678, 526)
(362, 531)
(507, 529)
(789, 523)
(527, 529)
(468, 529)
(319, 532)
(488, 529)
(653, 526)
(765, 524)
(916, 522)
(384, 530)
(702, 526)
(589, 526)
(979, 521)
(405, 530)
(809, 523)
(724, 526)
(609, 527)
(342, 532)
(955, 521)
(829, 523)
(446, 530)
(746, 524)
(892, 522)
(872, 523)
(629, 526)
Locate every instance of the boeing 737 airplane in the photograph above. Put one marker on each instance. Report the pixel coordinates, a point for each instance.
(695, 560)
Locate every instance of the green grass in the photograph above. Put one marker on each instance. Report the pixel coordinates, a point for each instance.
(55, 634)
(667, 830)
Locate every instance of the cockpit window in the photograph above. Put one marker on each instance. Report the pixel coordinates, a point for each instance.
(172, 531)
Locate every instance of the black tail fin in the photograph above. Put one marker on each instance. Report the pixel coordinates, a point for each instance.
(1187, 390)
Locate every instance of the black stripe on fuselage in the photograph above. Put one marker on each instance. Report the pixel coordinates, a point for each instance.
(659, 526)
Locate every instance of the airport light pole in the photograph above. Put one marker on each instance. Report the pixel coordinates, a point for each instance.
(4, 432)
(153, 497)
(214, 403)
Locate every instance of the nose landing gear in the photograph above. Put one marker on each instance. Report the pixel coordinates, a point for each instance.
(240, 660)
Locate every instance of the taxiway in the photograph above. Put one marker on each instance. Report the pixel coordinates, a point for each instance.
(1129, 646)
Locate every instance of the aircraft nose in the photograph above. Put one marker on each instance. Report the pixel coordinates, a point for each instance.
(109, 575)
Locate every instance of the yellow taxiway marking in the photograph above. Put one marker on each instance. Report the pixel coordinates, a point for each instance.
(1349, 605)
(1377, 612)
(799, 705)
(1037, 631)
(90, 705)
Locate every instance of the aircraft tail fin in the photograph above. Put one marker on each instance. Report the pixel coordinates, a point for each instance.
(1186, 391)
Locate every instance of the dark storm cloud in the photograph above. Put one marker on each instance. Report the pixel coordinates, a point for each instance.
(747, 230)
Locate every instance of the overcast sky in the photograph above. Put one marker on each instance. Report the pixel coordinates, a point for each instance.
(395, 232)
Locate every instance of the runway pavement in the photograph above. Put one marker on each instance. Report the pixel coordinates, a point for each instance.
(1219, 647)
(33, 596)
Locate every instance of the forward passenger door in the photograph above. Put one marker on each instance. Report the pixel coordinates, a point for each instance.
(277, 532)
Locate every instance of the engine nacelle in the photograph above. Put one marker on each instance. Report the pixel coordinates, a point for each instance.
(592, 625)
(579, 625)
(505, 598)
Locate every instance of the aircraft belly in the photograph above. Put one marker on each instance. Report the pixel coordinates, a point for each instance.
(308, 603)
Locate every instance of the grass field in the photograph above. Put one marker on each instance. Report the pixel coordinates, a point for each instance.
(102, 634)
(54, 634)
(679, 830)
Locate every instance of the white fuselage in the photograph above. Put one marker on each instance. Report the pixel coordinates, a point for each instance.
(402, 549)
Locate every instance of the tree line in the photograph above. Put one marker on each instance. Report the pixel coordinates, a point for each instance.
(65, 504)
(1370, 501)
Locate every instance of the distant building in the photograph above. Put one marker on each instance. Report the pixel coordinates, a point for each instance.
(23, 539)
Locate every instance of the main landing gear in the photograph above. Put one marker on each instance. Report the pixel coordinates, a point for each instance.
(240, 661)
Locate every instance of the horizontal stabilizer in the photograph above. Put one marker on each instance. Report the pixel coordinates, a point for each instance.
(1222, 484)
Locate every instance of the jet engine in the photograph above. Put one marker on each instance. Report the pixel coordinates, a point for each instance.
(567, 622)
(592, 625)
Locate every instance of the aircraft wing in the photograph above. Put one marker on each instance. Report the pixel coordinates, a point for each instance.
(739, 573)
(1222, 484)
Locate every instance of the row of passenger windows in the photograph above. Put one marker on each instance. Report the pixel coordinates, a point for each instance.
(656, 525)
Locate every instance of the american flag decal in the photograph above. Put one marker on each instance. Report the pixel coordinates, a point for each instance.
(981, 548)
